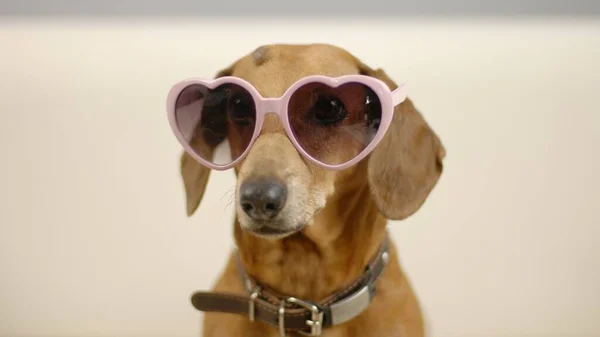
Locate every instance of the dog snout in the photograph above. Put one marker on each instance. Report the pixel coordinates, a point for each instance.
(263, 198)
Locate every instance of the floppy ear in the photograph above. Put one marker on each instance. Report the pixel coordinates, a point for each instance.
(195, 175)
(404, 168)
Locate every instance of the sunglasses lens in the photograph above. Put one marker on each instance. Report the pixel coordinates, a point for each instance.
(333, 125)
(217, 123)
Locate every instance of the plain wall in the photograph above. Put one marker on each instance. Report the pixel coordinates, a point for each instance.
(94, 240)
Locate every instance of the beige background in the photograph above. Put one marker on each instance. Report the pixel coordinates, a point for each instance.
(94, 240)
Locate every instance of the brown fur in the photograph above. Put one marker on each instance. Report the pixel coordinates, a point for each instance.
(345, 212)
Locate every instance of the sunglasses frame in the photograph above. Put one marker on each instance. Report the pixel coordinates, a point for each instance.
(279, 106)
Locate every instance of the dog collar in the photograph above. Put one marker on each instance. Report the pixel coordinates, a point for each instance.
(290, 314)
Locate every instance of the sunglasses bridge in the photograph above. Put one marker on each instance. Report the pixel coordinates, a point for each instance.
(271, 106)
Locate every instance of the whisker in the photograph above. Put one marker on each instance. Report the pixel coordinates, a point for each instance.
(230, 195)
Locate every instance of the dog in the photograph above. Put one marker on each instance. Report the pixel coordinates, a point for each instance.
(316, 260)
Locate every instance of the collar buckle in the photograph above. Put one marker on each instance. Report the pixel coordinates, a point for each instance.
(316, 318)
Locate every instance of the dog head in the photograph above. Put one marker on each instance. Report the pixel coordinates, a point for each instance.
(278, 192)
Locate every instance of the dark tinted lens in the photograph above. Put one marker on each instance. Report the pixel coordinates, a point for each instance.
(334, 125)
(218, 123)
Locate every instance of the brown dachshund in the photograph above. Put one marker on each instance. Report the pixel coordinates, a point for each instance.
(313, 256)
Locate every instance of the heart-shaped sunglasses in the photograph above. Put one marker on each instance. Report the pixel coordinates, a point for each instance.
(332, 122)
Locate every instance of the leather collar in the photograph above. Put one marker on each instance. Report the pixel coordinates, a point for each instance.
(290, 314)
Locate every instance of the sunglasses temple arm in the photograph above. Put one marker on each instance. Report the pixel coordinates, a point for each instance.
(399, 95)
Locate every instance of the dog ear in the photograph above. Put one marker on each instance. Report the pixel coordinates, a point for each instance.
(195, 175)
(405, 167)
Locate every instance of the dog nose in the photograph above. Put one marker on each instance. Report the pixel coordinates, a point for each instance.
(263, 199)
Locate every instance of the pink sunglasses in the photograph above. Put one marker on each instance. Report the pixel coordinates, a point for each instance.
(332, 122)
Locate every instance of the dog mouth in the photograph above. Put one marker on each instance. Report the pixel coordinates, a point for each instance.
(272, 231)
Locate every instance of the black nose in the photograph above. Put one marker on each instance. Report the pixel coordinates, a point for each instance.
(263, 198)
